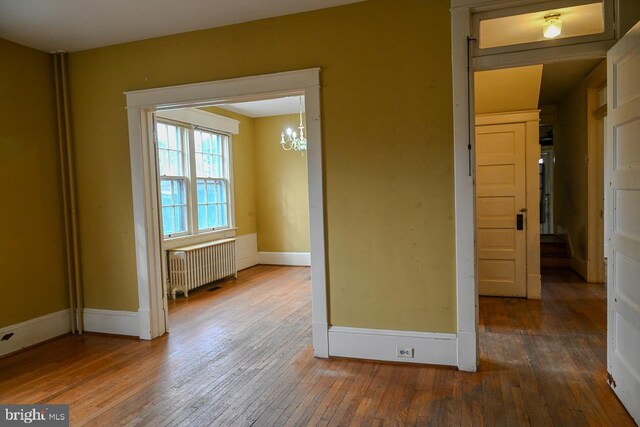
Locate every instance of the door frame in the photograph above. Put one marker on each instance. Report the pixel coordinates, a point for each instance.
(595, 140)
(152, 313)
(530, 119)
(463, 66)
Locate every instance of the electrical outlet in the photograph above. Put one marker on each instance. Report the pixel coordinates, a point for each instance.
(404, 352)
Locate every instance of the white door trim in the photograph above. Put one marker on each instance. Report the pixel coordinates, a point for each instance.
(463, 122)
(140, 105)
(463, 113)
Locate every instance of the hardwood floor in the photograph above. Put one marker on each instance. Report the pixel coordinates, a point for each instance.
(241, 355)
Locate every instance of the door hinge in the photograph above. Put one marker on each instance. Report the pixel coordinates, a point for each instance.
(610, 380)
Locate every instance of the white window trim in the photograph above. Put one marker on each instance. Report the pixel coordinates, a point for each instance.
(141, 105)
(203, 119)
(180, 234)
(191, 118)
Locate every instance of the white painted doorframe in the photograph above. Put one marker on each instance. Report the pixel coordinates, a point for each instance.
(463, 120)
(140, 106)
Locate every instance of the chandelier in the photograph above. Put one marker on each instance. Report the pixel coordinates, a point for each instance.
(292, 140)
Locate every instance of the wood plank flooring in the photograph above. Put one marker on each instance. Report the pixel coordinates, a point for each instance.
(241, 355)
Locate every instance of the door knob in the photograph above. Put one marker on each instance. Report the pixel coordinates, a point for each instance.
(523, 210)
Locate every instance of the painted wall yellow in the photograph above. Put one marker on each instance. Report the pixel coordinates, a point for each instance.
(281, 189)
(32, 245)
(571, 169)
(388, 148)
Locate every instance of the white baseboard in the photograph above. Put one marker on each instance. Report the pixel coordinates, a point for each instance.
(378, 344)
(34, 331)
(246, 251)
(285, 258)
(111, 322)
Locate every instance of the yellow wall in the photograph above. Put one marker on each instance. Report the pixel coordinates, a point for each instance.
(244, 172)
(281, 188)
(388, 147)
(32, 249)
(570, 170)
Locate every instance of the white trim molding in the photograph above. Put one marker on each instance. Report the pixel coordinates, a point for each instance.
(285, 258)
(379, 344)
(463, 112)
(203, 119)
(111, 322)
(141, 105)
(34, 331)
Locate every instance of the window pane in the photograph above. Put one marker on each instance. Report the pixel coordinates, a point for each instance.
(206, 165)
(222, 191)
(211, 216)
(167, 220)
(180, 219)
(180, 135)
(217, 170)
(211, 192)
(174, 166)
(163, 162)
(197, 136)
(165, 192)
(222, 215)
(215, 144)
(173, 137)
(202, 198)
(162, 135)
(179, 195)
(199, 165)
(202, 217)
(206, 142)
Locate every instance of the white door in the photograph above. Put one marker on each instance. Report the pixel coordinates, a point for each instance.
(500, 210)
(623, 220)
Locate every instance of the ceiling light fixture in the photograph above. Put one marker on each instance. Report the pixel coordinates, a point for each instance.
(291, 140)
(552, 26)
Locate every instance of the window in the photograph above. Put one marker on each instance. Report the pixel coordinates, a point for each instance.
(211, 181)
(173, 181)
(193, 168)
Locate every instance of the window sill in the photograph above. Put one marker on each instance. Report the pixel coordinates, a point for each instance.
(192, 239)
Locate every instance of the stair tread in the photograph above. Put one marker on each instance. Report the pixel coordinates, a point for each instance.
(551, 238)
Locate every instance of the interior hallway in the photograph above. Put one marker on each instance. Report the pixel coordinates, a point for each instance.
(242, 355)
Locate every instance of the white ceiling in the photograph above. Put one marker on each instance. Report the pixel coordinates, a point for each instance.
(267, 107)
(73, 25)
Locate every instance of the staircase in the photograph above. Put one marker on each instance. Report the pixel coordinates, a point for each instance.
(554, 251)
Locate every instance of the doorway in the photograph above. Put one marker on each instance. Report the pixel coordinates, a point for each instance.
(233, 192)
(140, 108)
(562, 155)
